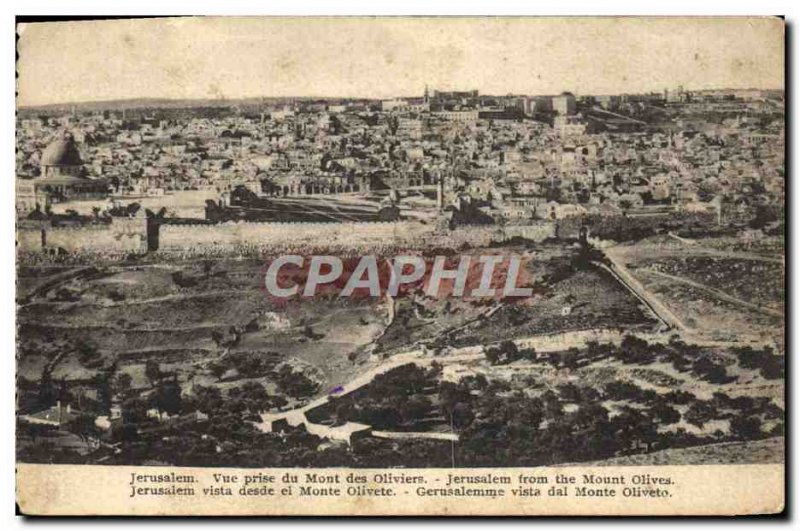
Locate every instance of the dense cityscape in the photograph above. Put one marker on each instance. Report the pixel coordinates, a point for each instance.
(511, 159)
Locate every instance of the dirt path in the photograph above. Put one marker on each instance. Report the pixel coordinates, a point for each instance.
(621, 273)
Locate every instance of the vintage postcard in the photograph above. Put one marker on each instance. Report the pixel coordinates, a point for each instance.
(401, 266)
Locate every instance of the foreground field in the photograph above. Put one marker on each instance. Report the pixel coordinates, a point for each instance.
(767, 451)
(715, 288)
(190, 317)
(195, 359)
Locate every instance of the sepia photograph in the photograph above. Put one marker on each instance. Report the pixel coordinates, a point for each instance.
(440, 265)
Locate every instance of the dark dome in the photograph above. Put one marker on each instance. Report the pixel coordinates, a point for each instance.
(62, 152)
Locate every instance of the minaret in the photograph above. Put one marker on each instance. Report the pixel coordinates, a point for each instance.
(426, 97)
(440, 193)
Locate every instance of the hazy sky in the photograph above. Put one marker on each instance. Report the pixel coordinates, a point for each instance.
(364, 57)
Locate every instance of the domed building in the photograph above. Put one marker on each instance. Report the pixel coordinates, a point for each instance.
(61, 157)
(62, 177)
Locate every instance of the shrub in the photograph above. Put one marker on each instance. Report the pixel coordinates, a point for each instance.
(746, 428)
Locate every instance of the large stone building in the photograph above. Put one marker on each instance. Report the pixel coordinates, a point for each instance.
(62, 178)
(565, 104)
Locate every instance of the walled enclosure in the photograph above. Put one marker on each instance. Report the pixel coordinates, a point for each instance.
(130, 235)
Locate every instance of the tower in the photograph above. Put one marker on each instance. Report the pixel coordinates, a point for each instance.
(426, 96)
(583, 234)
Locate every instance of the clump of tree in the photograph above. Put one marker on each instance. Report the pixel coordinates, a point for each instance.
(84, 427)
(104, 384)
(152, 371)
(398, 398)
(635, 350)
(253, 398)
(629, 391)
(233, 336)
(711, 371)
(47, 394)
(770, 365)
(253, 364)
(746, 427)
(183, 281)
(295, 383)
(167, 397)
(134, 411)
(700, 412)
(664, 414)
(88, 354)
(123, 383)
(506, 352)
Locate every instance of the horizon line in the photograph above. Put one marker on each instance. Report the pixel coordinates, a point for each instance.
(370, 98)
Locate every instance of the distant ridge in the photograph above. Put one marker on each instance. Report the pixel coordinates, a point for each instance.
(180, 103)
(170, 103)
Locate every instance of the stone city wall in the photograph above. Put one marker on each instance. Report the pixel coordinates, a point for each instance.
(536, 232)
(236, 235)
(128, 235)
